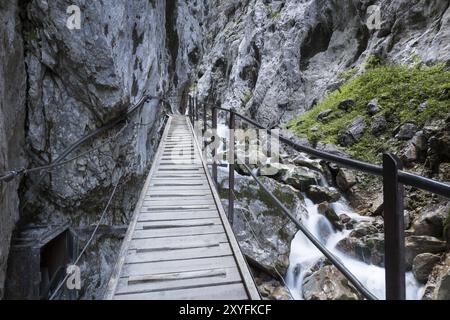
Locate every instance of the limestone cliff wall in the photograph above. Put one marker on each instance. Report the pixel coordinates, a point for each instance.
(12, 119)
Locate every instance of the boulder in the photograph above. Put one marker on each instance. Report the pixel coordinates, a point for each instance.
(347, 105)
(325, 209)
(430, 223)
(320, 194)
(406, 131)
(415, 245)
(373, 107)
(423, 264)
(353, 133)
(324, 115)
(300, 178)
(328, 284)
(363, 229)
(368, 249)
(345, 179)
(379, 125)
(438, 285)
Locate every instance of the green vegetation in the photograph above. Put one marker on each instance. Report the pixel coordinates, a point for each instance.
(273, 14)
(248, 95)
(400, 90)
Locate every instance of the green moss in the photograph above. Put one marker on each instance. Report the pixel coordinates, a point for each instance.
(273, 15)
(248, 95)
(399, 89)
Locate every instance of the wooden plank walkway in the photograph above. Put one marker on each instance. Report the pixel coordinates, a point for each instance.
(179, 244)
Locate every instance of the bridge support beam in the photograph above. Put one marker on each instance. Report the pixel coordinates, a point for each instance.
(394, 229)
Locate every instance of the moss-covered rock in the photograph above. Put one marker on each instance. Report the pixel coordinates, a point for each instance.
(399, 90)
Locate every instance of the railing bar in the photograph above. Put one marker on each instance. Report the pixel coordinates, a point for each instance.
(336, 262)
(406, 178)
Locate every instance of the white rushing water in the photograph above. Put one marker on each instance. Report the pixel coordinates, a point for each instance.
(304, 254)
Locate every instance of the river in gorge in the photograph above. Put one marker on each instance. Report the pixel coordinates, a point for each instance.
(304, 255)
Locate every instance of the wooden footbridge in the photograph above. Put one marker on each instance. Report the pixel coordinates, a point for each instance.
(180, 244)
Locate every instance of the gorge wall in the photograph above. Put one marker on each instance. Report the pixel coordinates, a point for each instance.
(276, 59)
(12, 119)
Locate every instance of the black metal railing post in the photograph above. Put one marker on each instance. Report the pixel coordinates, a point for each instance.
(205, 128)
(394, 229)
(196, 108)
(231, 161)
(191, 111)
(214, 149)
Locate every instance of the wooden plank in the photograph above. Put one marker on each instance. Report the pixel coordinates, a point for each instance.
(177, 232)
(219, 292)
(183, 280)
(174, 216)
(177, 203)
(156, 244)
(178, 266)
(182, 254)
(178, 224)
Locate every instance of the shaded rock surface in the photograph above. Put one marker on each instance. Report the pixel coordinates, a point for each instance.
(256, 216)
(423, 265)
(12, 122)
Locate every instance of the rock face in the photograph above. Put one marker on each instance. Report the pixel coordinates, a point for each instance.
(78, 80)
(276, 59)
(257, 216)
(12, 122)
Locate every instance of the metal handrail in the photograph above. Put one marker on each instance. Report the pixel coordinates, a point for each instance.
(406, 178)
(393, 180)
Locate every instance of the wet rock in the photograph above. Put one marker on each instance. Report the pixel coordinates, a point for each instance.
(320, 194)
(369, 249)
(415, 245)
(300, 178)
(363, 229)
(353, 133)
(304, 161)
(379, 125)
(431, 222)
(423, 264)
(328, 284)
(344, 218)
(438, 285)
(373, 107)
(280, 293)
(325, 209)
(347, 105)
(406, 131)
(345, 179)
